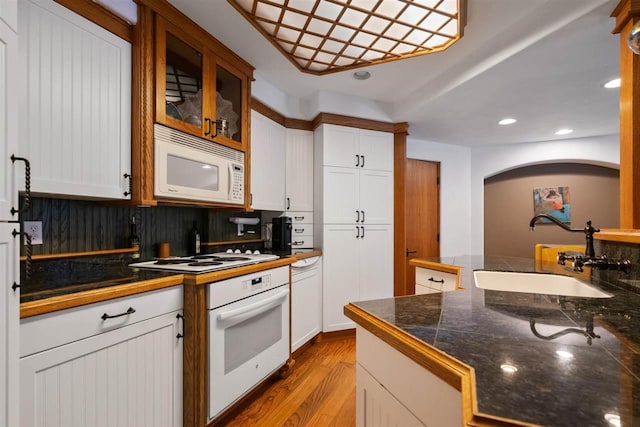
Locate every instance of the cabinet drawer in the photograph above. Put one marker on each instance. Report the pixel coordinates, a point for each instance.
(301, 241)
(301, 230)
(300, 217)
(434, 279)
(424, 290)
(50, 330)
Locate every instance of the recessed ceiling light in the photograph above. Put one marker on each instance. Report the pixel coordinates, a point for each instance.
(509, 369)
(612, 84)
(361, 75)
(564, 131)
(507, 121)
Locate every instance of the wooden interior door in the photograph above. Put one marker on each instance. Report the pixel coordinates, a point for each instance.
(422, 207)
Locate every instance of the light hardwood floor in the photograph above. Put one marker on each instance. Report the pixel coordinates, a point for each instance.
(319, 392)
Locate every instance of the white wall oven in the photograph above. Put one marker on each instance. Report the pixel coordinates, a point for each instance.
(187, 167)
(248, 326)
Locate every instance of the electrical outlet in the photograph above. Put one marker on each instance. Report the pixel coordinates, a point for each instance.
(34, 229)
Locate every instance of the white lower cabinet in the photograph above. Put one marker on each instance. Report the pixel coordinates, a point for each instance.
(128, 375)
(306, 300)
(357, 266)
(394, 390)
(377, 407)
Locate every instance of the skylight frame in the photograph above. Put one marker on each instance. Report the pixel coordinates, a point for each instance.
(365, 43)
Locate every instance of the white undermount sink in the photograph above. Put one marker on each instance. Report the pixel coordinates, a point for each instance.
(535, 283)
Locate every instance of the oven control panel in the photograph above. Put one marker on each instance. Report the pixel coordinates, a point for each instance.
(230, 290)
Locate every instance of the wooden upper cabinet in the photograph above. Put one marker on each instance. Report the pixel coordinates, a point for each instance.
(197, 90)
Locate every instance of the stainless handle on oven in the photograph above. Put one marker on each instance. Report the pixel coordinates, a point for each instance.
(238, 315)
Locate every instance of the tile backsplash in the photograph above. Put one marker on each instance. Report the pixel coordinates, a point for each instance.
(80, 225)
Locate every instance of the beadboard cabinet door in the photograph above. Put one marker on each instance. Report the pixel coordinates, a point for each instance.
(299, 170)
(128, 377)
(8, 118)
(267, 163)
(74, 103)
(9, 318)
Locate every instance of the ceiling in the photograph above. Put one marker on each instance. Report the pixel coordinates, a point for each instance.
(542, 62)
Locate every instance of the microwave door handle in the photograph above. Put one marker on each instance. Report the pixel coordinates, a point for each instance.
(233, 317)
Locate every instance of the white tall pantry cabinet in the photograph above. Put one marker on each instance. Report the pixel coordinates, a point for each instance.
(9, 244)
(354, 217)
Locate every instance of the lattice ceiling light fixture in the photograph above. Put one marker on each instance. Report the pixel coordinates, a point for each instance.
(326, 36)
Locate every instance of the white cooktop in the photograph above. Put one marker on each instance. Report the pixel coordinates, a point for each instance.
(205, 263)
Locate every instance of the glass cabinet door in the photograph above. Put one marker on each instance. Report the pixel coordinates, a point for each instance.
(229, 105)
(181, 92)
(197, 90)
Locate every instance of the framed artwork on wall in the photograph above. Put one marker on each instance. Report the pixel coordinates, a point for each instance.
(553, 201)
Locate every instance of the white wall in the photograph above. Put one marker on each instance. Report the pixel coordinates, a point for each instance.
(320, 102)
(455, 195)
(487, 161)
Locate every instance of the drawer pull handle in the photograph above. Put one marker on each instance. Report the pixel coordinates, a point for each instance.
(299, 230)
(298, 218)
(180, 335)
(298, 242)
(431, 279)
(129, 311)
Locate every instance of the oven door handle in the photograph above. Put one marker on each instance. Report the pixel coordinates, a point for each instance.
(232, 317)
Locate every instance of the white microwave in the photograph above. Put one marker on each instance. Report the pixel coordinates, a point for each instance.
(191, 168)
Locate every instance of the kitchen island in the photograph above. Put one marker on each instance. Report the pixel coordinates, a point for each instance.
(511, 358)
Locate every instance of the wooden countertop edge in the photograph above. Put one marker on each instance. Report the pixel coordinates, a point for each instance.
(76, 299)
(618, 235)
(315, 252)
(455, 373)
(216, 276)
(438, 266)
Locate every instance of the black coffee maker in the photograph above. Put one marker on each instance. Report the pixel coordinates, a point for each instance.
(281, 235)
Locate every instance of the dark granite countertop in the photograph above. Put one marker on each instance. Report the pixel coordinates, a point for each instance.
(51, 278)
(562, 378)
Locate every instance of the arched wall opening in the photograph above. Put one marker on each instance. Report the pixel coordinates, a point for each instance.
(509, 205)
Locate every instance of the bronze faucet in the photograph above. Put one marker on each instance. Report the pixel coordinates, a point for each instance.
(588, 231)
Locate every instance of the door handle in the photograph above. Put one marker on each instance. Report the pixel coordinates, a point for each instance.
(358, 214)
(357, 160)
(288, 203)
(407, 252)
(362, 216)
(362, 232)
(362, 161)
(207, 120)
(358, 230)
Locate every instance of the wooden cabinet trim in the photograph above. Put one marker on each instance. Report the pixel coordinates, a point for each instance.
(100, 16)
(178, 19)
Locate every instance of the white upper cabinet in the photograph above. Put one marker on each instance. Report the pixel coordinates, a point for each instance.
(8, 117)
(340, 146)
(376, 150)
(357, 175)
(74, 103)
(351, 147)
(267, 163)
(299, 170)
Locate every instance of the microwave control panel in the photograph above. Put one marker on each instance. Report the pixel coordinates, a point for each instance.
(237, 182)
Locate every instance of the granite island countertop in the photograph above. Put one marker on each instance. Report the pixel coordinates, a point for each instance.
(563, 377)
